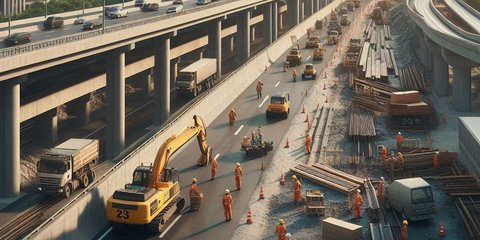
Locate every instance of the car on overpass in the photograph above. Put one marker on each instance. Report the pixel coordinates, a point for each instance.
(139, 3)
(117, 12)
(175, 9)
(150, 7)
(202, 2)
(91, 25)
(177, 1)
(18, 38)
(53, 22)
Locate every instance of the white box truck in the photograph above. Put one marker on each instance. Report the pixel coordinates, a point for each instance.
(197, 76)
(68, 166)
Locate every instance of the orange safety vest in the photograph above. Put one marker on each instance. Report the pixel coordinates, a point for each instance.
(384, 153)
(297, 185)
(308, 140)
(214, 164)
(399, 138)
(227, 200)
(404, 232)
(358, 199)
(238, 171)
(281, 231)
(193, 188)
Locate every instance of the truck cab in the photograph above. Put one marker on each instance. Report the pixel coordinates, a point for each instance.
(332, 37)
(344, 21)
(68, 166)
(312, 42)
(309, 72)
(279, 105)
(294, 57)
(318, 52)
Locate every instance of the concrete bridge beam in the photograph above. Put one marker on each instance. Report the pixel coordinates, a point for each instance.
(215, 44)
(10, 138)
(243, 36)
(267, 24)
(115, 110)
(161, 74)
(293, 9)
(80, 108)
(274, 9)
(46, 126)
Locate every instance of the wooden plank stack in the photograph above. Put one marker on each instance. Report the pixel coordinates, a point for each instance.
(314, 202)
(411, 79)
(335, 180)
(371, 103)
(364, 87)
(459, 185)
(335, 229)
(361, 123)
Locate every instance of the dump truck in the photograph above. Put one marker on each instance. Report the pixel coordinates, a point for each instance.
(68, 166)
(154, 197)
(312, 42)
(332, 37)
(294, 57)
(255, 146)
(279, 105)
(318, 52)
(335, 25)
(197, 76)
(309, 72)
(344, 21)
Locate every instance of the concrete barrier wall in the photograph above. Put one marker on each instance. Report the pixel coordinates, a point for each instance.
(85, 216)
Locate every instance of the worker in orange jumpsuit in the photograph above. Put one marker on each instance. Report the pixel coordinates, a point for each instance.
(297, 186)
(436, 161)
(227, 205)
(259, 132)
(294, 74)
(384, 153)
(308, 143)
(400, 158)
(238, 176)
(399, 141)
(214, 167)
(380, 191)
(259, 89)
(404, 230)
(231, 117)
(358, 204)
(281, 230)
(194, 188)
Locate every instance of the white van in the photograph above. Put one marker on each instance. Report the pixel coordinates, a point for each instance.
(412, 197)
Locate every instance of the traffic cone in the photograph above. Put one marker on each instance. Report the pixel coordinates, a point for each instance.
(286, 144)
(308, 125)
(442, 230)
(303, 109)
(324, 86)
(261, 193)
(282, 180)
(326, 99)
(306, 119)
(249, 217)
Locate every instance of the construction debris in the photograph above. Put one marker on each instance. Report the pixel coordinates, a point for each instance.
(361, 123)
(411, 79)
(328, 177)
(333, 228)
(459, 185)
(314, 202)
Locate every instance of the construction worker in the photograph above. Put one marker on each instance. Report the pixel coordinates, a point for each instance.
(308, 143)
(194, 188)
(281, 230)
(384, 153)
(358, 204)
(259, 132)
(227, 205)
(238, 176)
(380, 191)
(297, 186)
(404, 230)
(231, 117)
(436, 161)
(259, 89)
(294, 74)
(214, 167)
(400, 158)
(399, 141)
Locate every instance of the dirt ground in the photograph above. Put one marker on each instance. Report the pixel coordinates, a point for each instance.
(278, 203)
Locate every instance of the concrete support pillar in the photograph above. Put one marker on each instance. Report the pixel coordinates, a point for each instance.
(301, 12)
(267, 24)
(309, 7)
(293, 9)
(80, 108)
(242, 36)
(216, 33)
(230, 44)
(115, 109)
(161, 74)
(274, 8)
(173, 71)
(316, 5)
(280, 21)
(462, 82)
(9, 138)
(252, 33)
(47, 125)
(440, 76)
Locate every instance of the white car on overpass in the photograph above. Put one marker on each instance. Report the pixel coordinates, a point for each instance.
(117, 12)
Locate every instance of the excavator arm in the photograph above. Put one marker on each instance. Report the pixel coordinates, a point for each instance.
(175, 142)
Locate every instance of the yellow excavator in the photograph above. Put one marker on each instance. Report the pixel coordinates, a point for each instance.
(153, 197)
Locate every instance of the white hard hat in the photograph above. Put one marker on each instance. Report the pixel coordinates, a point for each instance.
(382, 178)
(238, 164)
(358, 190)
(400, 133)
(227, 191)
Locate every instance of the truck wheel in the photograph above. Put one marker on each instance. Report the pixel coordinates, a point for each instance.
(67, 191)
(85, 180)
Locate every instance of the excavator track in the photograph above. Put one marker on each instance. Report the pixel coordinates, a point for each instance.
(174, 208)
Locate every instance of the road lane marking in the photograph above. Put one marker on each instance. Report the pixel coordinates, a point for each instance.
(106, 233)
(240, 128)
(276, 85)
(216, 156)
(308, 58)
(170, 226)
(264, 100)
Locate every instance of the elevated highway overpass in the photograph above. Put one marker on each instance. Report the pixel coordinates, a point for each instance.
(449, 45)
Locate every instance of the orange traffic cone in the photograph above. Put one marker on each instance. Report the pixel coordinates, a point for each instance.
(326, 99)
(303, 109)
(261, 193)
(282, 180)
(306, 119)
(442, 230)
(286, 144)
(308, 125)
(249, 217)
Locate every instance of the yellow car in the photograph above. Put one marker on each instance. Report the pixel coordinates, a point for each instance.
(279, 105)
(309, 72)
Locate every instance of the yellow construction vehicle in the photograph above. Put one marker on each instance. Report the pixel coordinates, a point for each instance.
(153, 197)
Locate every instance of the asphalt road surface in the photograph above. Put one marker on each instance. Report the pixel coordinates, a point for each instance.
(209, 221)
